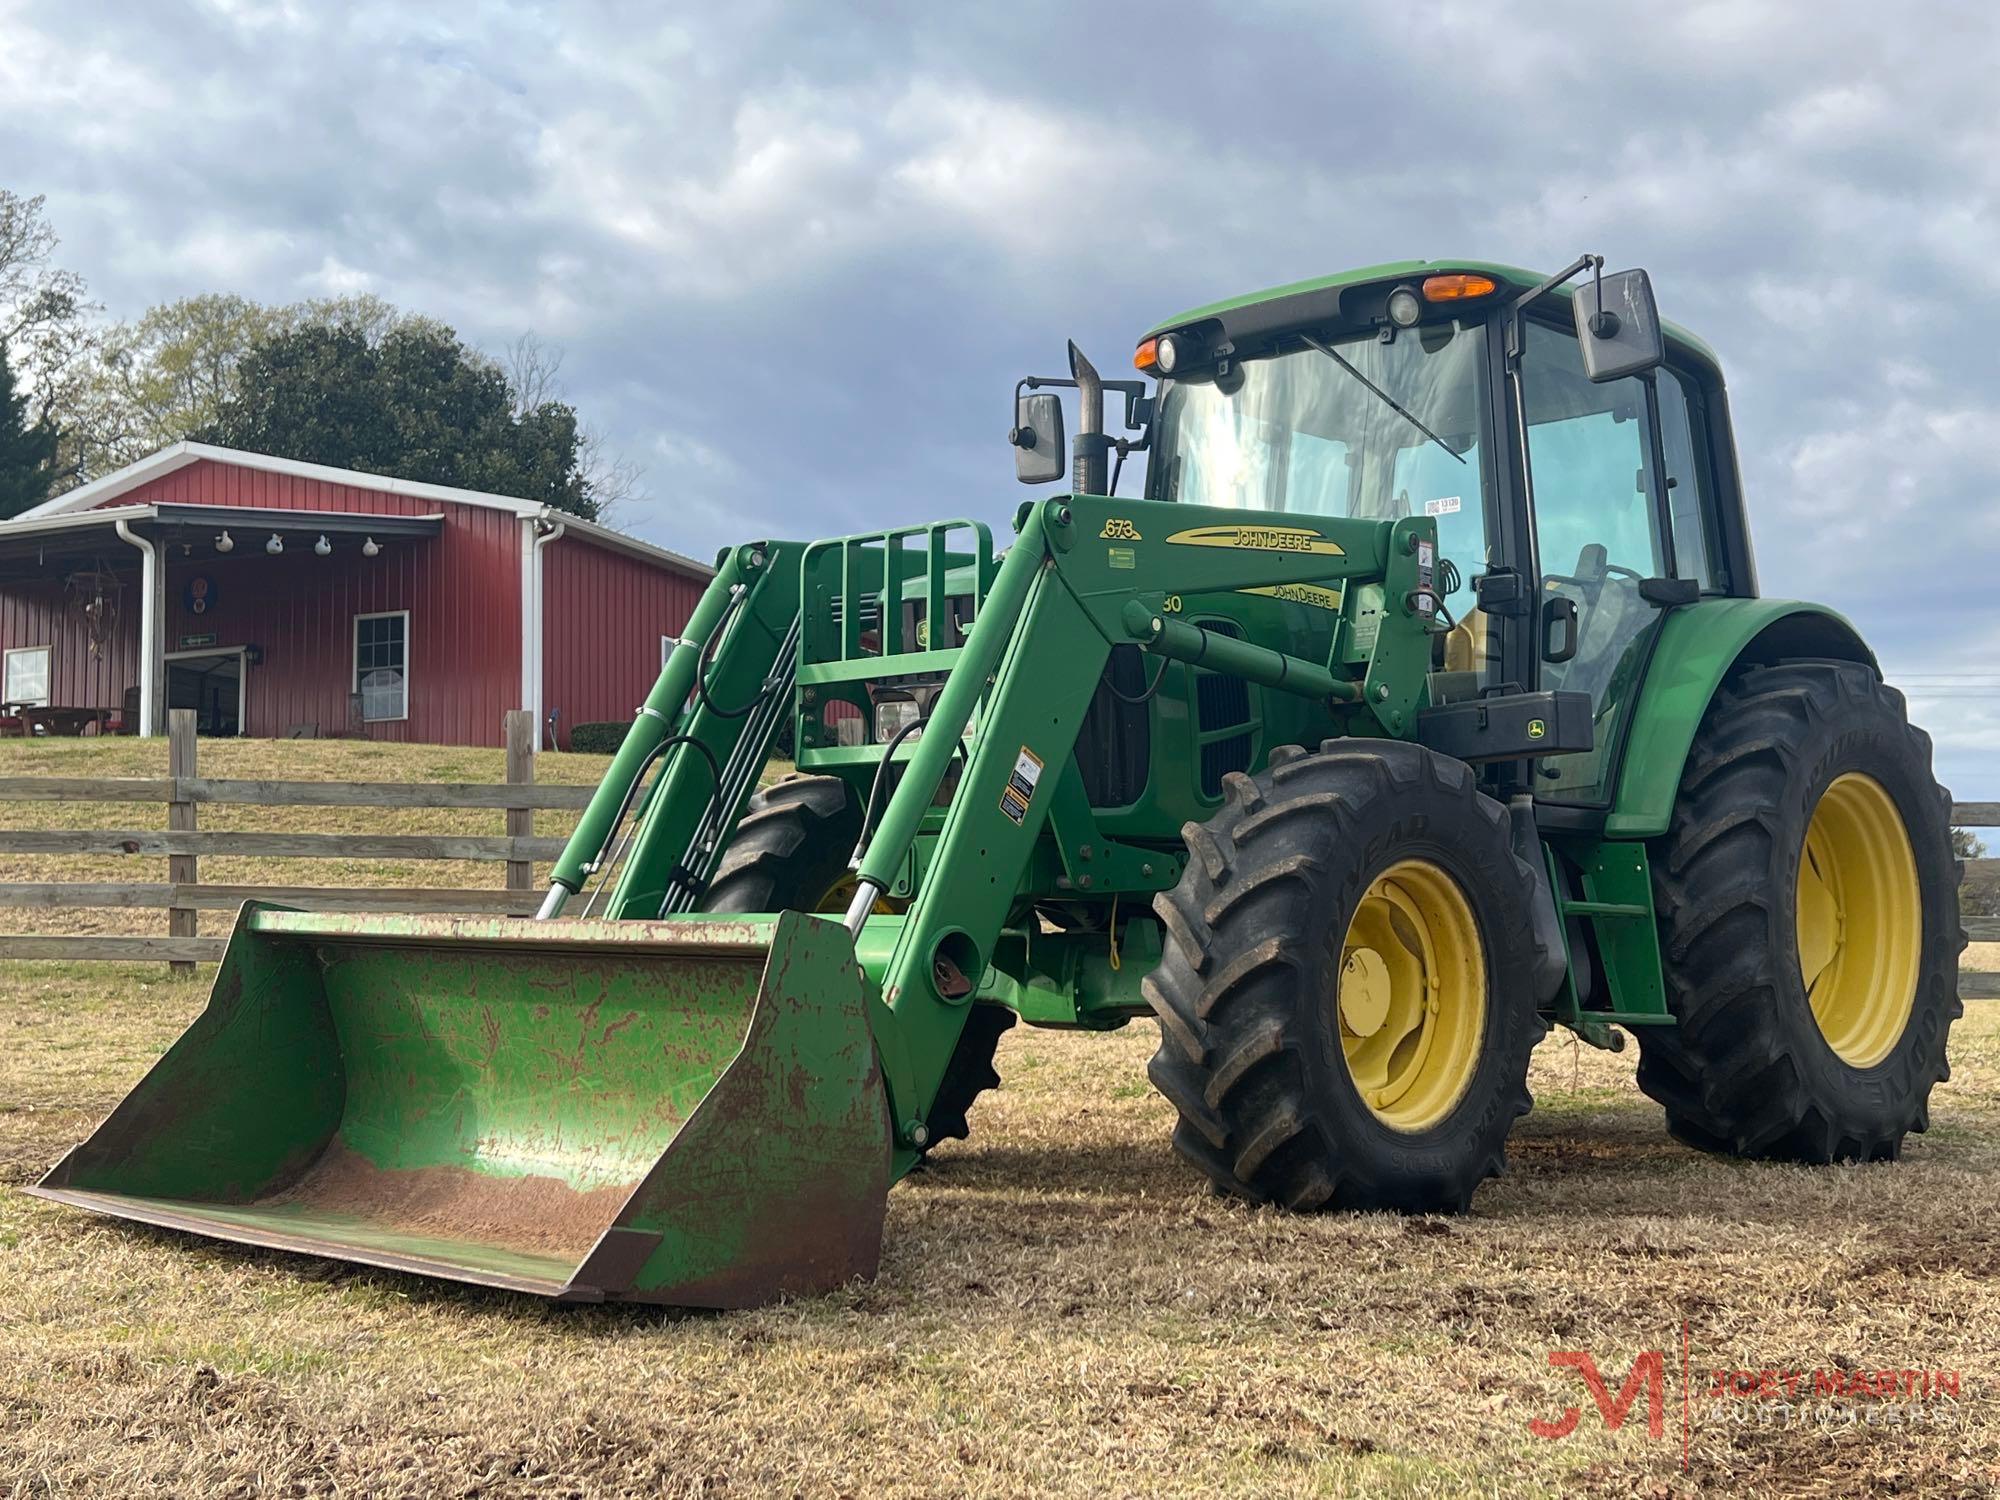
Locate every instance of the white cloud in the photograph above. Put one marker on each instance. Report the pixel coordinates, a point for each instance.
(336, 278)
(797, 254)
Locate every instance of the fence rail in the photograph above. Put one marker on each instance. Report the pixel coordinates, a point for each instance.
(184, 895)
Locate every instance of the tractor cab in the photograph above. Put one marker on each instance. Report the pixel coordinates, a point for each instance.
(1577, 463)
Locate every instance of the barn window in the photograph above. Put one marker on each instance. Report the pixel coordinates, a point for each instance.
(382, 664)
(27, 676)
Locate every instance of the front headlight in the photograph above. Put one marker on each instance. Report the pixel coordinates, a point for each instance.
(893, 715)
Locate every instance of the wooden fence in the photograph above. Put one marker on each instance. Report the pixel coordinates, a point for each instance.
(184, 895)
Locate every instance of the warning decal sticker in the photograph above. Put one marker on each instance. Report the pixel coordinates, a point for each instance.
(1020, 788)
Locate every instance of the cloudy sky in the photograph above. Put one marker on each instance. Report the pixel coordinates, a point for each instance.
(797, 254)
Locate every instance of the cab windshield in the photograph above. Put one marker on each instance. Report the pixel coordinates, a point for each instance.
(1339, 430)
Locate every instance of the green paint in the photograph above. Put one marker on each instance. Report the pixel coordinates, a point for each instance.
(1617, 903)
(1698, 644)
(701, 1094)
(650, 725)
(1512, 279)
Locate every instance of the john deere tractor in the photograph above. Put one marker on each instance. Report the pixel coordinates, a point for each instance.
(1422, 700)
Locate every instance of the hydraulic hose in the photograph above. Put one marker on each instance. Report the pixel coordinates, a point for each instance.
(654, 721)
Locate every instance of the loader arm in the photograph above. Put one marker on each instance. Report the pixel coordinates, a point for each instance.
(1058, 605)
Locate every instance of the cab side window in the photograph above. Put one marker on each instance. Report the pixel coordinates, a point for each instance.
(1689, 492)
(1597, 533)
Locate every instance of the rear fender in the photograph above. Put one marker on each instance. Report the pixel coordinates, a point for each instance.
(1698, 647)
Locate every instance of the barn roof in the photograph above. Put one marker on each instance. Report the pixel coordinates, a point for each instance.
(134, 476)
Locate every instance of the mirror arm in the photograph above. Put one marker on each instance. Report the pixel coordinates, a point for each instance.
(1584, 262)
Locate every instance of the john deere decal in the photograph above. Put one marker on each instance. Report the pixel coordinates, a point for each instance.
(1298, 593)
(1118, 529)
(1259, 539)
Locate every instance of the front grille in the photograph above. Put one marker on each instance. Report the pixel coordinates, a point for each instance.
(1219, 758)
(1114, 749)
(1222, 703)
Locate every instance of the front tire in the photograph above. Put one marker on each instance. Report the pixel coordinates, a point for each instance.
(1345, 1019)
(1808, 901)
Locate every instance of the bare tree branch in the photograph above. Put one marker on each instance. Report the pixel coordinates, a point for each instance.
(47, 320)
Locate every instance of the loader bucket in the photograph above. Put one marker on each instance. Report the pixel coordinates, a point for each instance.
(687, 1112)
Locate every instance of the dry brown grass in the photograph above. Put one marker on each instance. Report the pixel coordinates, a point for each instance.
(1061, 1309)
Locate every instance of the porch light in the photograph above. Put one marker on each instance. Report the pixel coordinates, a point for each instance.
(322, 548)
(275, 545)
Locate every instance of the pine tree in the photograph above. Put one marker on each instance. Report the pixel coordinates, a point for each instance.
(27, 448)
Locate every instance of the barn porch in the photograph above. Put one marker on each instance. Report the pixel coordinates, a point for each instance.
(115, 615)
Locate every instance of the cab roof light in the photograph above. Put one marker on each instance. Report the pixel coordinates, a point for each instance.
(1458, 286)
(1147, 356)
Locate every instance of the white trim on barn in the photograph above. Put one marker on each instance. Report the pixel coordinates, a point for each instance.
(181, 455)
(354, 675)
(9, 698)
(531, 626)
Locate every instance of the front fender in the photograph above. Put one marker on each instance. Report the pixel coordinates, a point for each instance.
(1697, 647)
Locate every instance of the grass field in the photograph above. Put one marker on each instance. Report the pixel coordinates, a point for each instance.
(1060, 1310)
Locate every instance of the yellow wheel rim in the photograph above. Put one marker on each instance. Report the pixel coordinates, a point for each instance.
(835, 901)
(1412, 995)
(1860, 920)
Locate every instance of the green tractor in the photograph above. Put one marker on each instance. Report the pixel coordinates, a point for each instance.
(1424, 700)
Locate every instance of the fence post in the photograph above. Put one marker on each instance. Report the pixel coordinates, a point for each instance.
(520, 725)
(182, 869)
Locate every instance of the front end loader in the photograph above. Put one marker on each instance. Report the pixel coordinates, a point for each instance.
(1424, 699)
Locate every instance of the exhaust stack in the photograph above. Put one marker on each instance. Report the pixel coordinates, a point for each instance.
(1089, 449)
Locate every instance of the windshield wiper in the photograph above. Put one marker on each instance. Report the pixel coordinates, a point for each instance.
(1393, 404)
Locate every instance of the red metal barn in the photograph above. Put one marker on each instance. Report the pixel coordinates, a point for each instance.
(275, 597)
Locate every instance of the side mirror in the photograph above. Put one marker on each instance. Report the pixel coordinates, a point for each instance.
(1618, 326)
(1038, 439)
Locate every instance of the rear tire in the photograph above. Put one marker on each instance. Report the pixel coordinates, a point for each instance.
(1316, 914)
(790, 853)
(1808, 836)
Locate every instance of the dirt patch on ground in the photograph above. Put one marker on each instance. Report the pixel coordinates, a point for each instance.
(534, 1215)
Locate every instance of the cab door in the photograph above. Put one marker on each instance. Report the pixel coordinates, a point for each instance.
(1600, 532)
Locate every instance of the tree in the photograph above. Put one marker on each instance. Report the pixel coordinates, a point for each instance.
(27, 448)
(167, 375)
(47, 319)
(534, 371)
(409, 399)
